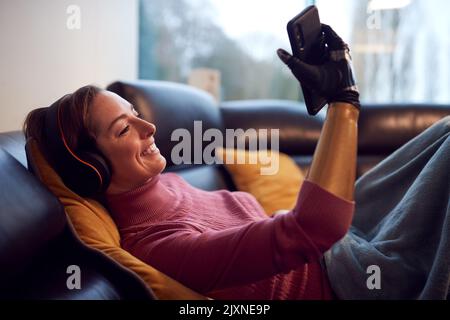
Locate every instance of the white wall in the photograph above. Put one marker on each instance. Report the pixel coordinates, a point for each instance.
(41, 59)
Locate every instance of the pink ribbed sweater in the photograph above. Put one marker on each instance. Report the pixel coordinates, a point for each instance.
(223, 245)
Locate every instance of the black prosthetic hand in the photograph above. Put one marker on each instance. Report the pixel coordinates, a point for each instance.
(331, 78)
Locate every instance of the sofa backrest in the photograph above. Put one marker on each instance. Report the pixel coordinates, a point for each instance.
(382, 128)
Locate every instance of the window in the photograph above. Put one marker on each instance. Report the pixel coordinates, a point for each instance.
(237, 37)
(400, 48)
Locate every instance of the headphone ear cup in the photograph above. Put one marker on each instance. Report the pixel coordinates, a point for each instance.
(87, 173)
(102, 167)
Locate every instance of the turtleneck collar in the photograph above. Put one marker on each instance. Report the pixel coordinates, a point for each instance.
(149, 202)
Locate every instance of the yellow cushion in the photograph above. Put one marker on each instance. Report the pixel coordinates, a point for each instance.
(275, 191)
(95, 227)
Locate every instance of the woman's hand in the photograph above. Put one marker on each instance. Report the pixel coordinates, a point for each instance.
(333, 78)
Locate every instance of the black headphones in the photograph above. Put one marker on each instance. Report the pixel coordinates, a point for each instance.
(86, 172)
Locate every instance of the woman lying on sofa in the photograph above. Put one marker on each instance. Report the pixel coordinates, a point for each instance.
(222, 244)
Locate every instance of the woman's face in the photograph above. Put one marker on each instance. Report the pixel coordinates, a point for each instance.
(126, 141)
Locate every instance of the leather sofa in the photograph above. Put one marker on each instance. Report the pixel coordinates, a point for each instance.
(37, 242)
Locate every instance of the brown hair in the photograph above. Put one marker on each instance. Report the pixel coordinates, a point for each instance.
(75, 119)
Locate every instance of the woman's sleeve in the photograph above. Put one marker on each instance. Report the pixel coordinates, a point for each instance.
(254, 251)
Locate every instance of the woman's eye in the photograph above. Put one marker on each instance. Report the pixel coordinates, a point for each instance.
(124, 130)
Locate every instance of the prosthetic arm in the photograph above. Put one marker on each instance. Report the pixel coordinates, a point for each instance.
(334, 162)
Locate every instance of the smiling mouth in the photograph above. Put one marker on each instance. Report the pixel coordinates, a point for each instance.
(152, 149)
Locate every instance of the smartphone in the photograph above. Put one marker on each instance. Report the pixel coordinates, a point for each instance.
(305, 33)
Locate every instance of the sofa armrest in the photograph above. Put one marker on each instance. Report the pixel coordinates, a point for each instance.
(299, 131)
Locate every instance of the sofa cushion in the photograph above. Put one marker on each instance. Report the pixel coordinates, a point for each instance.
(274, 191)
(95, 228)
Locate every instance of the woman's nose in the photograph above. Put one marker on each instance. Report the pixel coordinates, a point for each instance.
(148, 129)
